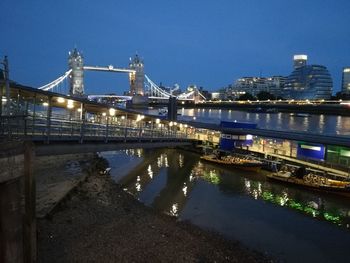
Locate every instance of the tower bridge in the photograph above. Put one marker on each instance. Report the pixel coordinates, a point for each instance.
(141, 85)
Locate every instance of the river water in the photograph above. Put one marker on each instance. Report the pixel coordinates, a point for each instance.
(289, 223)
(314, 123)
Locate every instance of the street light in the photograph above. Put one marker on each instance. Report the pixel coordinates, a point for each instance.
(7, 86)
(111, 112)
(70, 104)
(60, 100)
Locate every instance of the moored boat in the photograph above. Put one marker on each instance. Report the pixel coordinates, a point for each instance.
(311, 179)
(234, 161)
(163, 111)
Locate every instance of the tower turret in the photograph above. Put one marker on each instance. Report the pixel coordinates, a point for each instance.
(137, 79)
(76, 63)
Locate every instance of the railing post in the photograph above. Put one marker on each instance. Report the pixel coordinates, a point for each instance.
(48, 120)
(151, 130)
(34, 108)
(82, 124)
(7, 85)
(30, 249)
(140, 130)
(125, 127)
(107, 126)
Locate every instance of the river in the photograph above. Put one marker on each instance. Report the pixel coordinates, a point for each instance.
(313, 123)
(289, 223)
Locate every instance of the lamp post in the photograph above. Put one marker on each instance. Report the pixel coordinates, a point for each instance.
(7, 86)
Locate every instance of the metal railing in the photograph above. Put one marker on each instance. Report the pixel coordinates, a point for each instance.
(55, 128)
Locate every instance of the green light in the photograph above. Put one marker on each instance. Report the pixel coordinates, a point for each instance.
(332, 218)
(311, 211)
(267, 196)
(211, 177)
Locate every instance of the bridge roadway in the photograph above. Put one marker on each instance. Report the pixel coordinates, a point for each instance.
(279, 134)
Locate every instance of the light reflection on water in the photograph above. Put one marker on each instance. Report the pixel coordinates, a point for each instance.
(239, 204)
(315, 123)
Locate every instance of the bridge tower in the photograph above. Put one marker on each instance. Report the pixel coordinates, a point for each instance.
(137, 79)
(76, 79)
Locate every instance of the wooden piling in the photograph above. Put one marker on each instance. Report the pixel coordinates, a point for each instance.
(11, 248)
(30, 248)
(11, 227)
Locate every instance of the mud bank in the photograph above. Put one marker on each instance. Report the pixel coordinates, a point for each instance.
(99, 222)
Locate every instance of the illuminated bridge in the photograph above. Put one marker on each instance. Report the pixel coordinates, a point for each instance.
(140, 83)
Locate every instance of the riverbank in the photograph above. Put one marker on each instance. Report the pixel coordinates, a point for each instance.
(100, 222)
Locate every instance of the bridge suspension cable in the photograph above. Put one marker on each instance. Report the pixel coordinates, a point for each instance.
(155, 90)
(56, 82)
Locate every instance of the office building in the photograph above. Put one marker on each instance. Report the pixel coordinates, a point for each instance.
(255, 85)
(346, 81)
(299, 61)
(308, 81)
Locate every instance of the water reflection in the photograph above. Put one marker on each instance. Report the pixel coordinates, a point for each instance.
(150, 172)
(328, 124)
(230, 201)
(283, 196)
(184, 171)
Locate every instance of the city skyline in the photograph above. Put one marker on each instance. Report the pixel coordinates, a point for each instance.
(187, 42)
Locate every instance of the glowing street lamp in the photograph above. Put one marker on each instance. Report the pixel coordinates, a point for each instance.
(60, 100)
(111, 112)
(70, 104)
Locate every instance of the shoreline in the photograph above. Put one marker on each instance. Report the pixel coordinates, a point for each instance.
(101, 222)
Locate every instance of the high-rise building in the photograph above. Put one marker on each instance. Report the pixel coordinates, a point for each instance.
(308, 81)
(346, 81)
(299, 61)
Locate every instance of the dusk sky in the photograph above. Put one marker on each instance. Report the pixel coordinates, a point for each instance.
(202, 42)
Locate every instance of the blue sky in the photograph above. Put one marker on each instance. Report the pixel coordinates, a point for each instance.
(208, 43)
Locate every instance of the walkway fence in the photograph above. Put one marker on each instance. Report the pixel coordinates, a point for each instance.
(58, 128)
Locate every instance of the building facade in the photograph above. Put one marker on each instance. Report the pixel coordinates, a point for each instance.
(346, 81)
(308, 81)
(255, 85)
(299, 61)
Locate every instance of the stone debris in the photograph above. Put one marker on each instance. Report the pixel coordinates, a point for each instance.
(102, 223)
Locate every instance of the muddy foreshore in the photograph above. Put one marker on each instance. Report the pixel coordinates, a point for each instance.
(99, 222)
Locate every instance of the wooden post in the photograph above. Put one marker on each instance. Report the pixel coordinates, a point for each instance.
(11, 233)
(30, 250)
